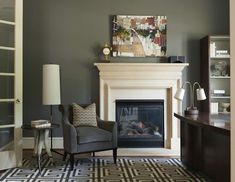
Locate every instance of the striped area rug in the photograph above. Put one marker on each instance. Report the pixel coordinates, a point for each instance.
(102, 169)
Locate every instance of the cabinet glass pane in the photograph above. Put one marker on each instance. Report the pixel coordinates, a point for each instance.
(6, 139)
(221, 104)
(220, 47)
(7, 113)
(7, 87)
(6, 61)
(7, 35)
(220, 67)
(220, 84)
(7, 8)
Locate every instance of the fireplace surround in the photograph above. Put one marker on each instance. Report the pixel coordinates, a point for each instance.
(143, 81)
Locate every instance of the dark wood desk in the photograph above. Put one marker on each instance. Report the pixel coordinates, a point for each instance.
(205, 144)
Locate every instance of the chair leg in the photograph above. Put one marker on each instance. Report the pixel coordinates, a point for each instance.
(115, 155)
(71, 161)
(93, 154)
(65, 155)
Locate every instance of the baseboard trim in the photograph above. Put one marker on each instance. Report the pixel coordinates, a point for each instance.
(28, 142)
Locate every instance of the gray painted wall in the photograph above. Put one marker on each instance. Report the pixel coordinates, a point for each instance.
(71, 32)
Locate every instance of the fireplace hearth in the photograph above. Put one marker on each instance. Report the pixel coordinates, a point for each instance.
(140, 123)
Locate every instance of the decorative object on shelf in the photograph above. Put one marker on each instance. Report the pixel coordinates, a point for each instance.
(106, 50)
(219, 69)
(139, 36)
(176, 59)
(225, 106)
(51, 90)
(179, 95)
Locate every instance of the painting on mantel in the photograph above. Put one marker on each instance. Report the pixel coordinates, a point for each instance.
(139, 36)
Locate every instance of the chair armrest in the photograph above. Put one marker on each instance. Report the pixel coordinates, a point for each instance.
(106, 125)
(110, 126)
(69, 132)
(70, 138)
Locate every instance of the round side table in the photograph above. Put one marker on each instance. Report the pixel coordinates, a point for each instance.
(41, 136)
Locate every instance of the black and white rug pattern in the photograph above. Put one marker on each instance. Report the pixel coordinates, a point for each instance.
(102, 169)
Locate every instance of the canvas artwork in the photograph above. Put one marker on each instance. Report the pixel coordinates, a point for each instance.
(139, 36)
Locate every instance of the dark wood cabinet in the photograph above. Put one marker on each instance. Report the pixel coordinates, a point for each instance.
(205, 144)
(215, 73)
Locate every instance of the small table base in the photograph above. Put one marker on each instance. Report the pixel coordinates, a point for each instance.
(41, 138)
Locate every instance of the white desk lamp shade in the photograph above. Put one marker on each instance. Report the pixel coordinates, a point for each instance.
(201, 94)
(179, 95)
(51, 84)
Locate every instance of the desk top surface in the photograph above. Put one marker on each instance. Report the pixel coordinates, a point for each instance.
(216, 122)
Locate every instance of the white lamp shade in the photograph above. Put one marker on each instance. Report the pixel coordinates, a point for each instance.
(51, 84)
(179, 95)
(201, 94)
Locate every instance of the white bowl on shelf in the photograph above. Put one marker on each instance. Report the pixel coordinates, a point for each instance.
(225, 106)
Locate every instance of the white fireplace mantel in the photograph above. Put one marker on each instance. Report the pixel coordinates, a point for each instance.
(147, 70)
(143, 81)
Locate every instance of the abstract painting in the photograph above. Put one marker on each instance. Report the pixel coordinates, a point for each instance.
(139, 36)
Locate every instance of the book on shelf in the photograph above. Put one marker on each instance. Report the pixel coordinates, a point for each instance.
(222, 53)
(218, 91)
(40, 124)
(212, 49)
(214, 107)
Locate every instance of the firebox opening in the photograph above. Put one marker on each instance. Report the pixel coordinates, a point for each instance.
(140, 123)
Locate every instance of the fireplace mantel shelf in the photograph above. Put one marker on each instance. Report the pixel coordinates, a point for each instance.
(122, 67)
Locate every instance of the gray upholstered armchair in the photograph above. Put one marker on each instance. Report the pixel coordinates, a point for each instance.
(84, 139)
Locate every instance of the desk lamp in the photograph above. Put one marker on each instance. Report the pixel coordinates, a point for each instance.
(179, 95)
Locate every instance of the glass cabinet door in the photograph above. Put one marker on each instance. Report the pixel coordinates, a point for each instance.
(10, 83)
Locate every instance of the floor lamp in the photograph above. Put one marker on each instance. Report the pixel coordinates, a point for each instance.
(51, 89)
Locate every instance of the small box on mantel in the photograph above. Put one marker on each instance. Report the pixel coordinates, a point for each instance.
(176, 59)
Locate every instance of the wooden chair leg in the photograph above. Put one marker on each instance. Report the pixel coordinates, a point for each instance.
(71, 161)
(115, 155)
(65, 155)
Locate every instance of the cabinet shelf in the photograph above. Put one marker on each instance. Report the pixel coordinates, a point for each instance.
(220, 97)
(220, 77)
(224, 112)
(220, 57)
